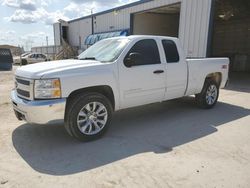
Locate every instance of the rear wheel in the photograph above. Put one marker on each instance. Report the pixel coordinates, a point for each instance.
(88, 116)
(209, 94)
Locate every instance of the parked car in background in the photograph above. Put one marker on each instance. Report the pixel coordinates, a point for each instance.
(17, 59)
(30, 58)
(6, 59)
(34, 58)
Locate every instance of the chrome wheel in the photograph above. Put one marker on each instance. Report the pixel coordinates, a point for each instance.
(211, 94)
(92, 118)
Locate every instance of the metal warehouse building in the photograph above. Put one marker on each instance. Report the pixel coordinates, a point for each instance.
(205, 27)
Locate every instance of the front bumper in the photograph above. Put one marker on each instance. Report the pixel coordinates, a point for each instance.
(40, 111)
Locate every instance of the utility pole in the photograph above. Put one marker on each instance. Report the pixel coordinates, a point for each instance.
(26, 45)
(47, 42)
(92, 21)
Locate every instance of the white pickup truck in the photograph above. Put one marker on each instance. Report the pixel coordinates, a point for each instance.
(113, 74)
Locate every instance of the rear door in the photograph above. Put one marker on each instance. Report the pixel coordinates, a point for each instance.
(176, 68)
(40, 58)
(143, 82)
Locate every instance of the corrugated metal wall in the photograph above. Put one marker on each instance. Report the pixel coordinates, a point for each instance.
(56, 27)
(50, 51)
(193, 30)
(194, 24)
(78, 31)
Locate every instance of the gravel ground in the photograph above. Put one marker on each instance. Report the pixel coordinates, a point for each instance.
(172, 144)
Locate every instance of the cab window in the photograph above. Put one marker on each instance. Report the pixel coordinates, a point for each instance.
(171, 51)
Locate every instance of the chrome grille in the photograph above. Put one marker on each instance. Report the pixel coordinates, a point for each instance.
(23, 93)
(24, 82)
(24, 88)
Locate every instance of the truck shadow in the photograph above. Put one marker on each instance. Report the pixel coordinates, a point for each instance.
(157, 128)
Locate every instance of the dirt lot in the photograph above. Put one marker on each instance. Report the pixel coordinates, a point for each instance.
(173, 144)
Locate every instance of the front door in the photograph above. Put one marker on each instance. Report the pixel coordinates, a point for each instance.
(144, 81)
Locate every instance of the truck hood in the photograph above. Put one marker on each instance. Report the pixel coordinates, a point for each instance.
(38, 70)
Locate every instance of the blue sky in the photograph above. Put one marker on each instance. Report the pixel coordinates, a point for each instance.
(27, 22)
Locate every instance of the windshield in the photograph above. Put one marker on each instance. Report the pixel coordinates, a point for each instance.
(106, 50)
(25, 54)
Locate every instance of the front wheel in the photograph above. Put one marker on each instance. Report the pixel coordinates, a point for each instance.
(209, 95)
(88, 116)
(24, 62)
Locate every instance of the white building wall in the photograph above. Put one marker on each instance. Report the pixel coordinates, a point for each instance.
(194, 24)
(78, 31)
(50, 51)
(193, 30)
(57, 34)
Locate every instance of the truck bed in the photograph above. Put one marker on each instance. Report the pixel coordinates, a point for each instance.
(199, 68)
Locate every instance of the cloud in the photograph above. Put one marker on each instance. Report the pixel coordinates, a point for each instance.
(103, 3)
(10, 32)
(79, 8)
(33, 36)
(45, 3)
(10, 3)
(7, 36)
(34, 39)
(21, 4)
(27, 5)
(52, 17)
(24, 16)
(39, 15)
(36, 11)
(33, 11)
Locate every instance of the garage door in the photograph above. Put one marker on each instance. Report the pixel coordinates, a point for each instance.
(231, 33)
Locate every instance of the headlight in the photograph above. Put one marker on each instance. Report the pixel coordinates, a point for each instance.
(47, 89)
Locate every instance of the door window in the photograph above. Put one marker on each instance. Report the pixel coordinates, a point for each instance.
(147, 52)
(43, 56)
(32, 56)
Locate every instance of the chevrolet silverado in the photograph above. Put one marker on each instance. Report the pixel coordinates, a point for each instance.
(114, 74)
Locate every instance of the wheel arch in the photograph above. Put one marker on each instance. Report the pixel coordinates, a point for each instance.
(105, 90)
(215, 76)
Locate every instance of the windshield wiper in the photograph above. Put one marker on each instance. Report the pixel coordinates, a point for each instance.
(88, 58)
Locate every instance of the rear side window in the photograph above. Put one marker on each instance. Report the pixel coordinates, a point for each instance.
(5, 52)
(148, 50)
(5, 59)
(171, 51)
(41, 56)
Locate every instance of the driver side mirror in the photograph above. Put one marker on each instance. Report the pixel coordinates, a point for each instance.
(132, 59)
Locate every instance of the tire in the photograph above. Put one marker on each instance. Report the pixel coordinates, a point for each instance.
(24, 62)
(85, 117)
(209, 95)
